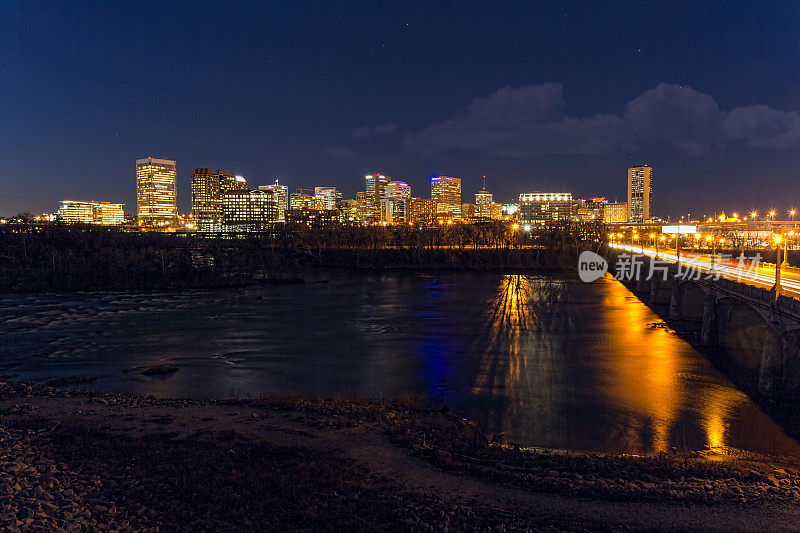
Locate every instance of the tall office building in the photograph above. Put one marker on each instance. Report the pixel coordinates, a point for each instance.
(156, 192)
(483, 204)
(543, 207)
(640, 193)
(330, 196)
(376, 191)
(99, 213)
(446, 192)
(281, 195)
(208, 185)
(396, 204)
(363, 203)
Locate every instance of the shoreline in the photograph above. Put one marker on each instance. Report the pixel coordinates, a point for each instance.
(111, 460)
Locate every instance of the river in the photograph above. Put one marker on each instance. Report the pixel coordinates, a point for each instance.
(550, 362)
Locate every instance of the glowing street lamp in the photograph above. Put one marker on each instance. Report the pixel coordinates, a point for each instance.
(778, 265)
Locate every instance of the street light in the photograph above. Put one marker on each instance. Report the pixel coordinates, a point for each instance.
(786, 250)
(777, 266)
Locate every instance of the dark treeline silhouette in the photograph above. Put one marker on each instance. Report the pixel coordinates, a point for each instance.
(59, 257)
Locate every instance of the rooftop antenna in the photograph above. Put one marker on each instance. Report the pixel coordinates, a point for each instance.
(484, 183)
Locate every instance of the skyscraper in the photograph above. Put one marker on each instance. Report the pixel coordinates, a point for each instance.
(376, 191)
(396, 204)
(446, 192)
(640, 193)
(208, 186)
(156, 193)
(281, 195)
(483, 204)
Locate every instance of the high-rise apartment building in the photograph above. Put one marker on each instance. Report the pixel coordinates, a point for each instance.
(156, 192)
(208, 185)
(543, 207)
(446, 192)
(281, 195)
(376, 191)
(99, 213)
(640, 193)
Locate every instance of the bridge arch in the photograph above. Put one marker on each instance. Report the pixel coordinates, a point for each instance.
(742, 331)
(691, 300)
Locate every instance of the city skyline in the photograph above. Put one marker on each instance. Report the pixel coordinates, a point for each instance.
(705, 93)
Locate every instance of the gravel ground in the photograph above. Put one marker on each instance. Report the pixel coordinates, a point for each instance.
(80, 461)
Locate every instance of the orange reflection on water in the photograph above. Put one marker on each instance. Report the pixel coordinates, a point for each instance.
(610, 376)
(506, 317)
(645, 373)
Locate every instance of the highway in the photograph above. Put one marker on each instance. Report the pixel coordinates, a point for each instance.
(750, 273)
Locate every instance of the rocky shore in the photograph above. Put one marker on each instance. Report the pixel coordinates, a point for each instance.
(79, 460)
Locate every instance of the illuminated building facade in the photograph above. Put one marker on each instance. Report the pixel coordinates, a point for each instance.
(99, 213)
(376, 191)
(640, 193)
(350, 212)
(446, 192)
(244, 210)
(467, 211)
(495, 211)
(281, 195)
(330, 197)
(156, 192)
(306, 199)
(312, 218)
(364, 203)
(483, 204)
(544, 207)
(423, 211)
(208, 185)
(615, 212)
(396, 204)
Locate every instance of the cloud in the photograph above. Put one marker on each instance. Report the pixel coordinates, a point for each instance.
(339, 152)
(366, 132)
(531, 121)
(763, 127)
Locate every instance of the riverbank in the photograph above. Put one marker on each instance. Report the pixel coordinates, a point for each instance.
(67, 258)
(98, 459)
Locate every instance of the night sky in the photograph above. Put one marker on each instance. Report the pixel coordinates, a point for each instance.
(543, 96)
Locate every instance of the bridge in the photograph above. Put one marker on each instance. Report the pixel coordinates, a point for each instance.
(733, 306)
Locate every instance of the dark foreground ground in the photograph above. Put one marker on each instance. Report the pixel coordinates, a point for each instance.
(89, 461)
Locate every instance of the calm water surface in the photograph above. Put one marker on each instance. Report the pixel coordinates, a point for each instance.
(550, 362)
